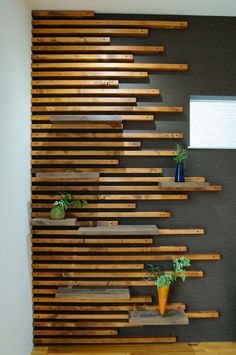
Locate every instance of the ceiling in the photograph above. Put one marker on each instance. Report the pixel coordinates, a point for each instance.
(169, 7)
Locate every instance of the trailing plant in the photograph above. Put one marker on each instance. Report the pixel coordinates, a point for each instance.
(163, 278)
(181, 154)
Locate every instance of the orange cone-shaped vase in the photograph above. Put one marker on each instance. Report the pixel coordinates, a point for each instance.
(162, 293)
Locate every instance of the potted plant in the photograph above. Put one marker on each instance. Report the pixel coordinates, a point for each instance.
(164, 280)
(180, 159)
(59, 207)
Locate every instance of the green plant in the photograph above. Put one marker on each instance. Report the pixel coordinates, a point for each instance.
(181, 154)
(67, 201)
(163, 278)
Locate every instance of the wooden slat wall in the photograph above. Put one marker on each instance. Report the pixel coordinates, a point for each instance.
(79, 117)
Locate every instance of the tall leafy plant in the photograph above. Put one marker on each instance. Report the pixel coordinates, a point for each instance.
(181, 154)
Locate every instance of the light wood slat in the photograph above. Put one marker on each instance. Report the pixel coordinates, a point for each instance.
(91, 100)
(102, 170)
(84, 332)
(111, 66)
(94, 275)
(76, 83)
(117, 340)
(59, 14)
(81, 316)
(70, 40)
(121, 188)
(90, 74)
(150, 214)
(82, 57)
(78, 308)
(123, 135)
(202, 314)
(100, 249)
(120, 23)
(91, 241)
(132, 299)
(89, 266)
(44, 222)
(91, 205)
(99, 49)
(49, 153)
(78, 161)
(86, 144)
(113, 92)
(123, 257)
(132, 32)
(83, 324)
(183, 231)
(119, 197)
(154, 318)
(155, 109)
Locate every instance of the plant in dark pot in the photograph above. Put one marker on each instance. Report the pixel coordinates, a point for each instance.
(180, 159)
(164, 279)
(59, 207)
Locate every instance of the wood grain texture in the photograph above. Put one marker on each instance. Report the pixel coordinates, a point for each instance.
(113, 92)
(132, 32)
(71, 40)
(149, 109)
(75, 83)
(62, 14)
(81, 57)
(90, 74)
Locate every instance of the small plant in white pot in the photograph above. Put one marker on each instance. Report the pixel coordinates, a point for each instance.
(60, 207)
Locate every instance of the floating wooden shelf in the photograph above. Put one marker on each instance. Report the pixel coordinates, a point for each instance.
(120, 230)
(110, 23)
(154, 318)
(51, 222)
(184, 184)
(94, 293)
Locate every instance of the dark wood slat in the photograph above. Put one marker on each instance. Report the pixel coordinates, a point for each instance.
(209, 256)
(79, 125)
(62, 14)
(70, 40)
(99, 49)
(76, 162)
(83, 324)
(120, 23)
(113, 92)
(86, 144)
(112, 66)
(110, 340)
(90, 74)
(76, 83)
(92, 266)
(92, 241)
(132, 32)
(48, 153)
(161, 214)
(82, 57)
(101, 170)
(83, 332)
(133, 299)
(119, 197)
(91, 206)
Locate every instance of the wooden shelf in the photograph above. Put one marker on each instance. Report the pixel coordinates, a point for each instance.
(184, 184)
(93, 293)
(113, 92)
(154, 318)
(51, 222)
(120, 230)
(110, 340)
(131, 32)
(75, 83)
(70, 40)
(62, 14)
(91, 74)
(132, 299)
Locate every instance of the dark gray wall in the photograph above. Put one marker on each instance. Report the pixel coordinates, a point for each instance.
(209, 47)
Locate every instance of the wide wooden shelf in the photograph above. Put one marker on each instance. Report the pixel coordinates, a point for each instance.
(120, 230)
(93, 293)
(154, 318)
(184, 184)
(51, 222)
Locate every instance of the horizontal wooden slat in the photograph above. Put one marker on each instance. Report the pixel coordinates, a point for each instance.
(81, 57)
(83, 324)
(113, 92)
(62, 14)
(182, 231)
(123, 257)
(101, 170)
(81, 316)
(111, 66)
(90, 74)
(83, 332)
(79, 125)
(91, 100)
(202, 314)
(86, 144)
(150, 214)
(91, 118)
(70, 40)
(117, 340)
(121, 197)
(119, 23)
(89, 266)
(76, 83)
(99, 49)
(91, 31)
(49, 153)
(92, 241)
(79, 162)
(133, 299)
(89, 179)
(91, 206)
(155, 109)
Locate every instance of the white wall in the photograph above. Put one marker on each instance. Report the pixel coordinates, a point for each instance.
(169, 7)
(15, 279)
